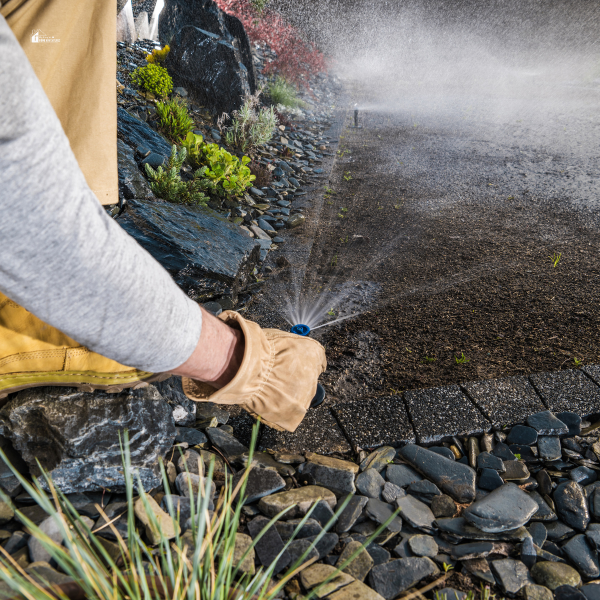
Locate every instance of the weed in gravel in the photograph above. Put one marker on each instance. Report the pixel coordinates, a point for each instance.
(577, 362)
(555, 258)
(462, 359)
(428, 359)
(282, 92)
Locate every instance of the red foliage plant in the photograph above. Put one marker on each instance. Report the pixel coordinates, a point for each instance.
(296, 59)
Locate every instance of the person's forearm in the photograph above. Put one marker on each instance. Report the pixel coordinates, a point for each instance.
(62, 257)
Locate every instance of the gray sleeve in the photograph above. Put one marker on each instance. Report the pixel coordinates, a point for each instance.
(62, 257)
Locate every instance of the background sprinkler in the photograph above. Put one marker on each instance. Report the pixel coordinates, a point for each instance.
(356, 125)
(304, 330)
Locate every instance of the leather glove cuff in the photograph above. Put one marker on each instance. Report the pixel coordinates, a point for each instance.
(276, 380)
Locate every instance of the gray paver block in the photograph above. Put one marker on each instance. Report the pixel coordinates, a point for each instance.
(569, 390)
(318, 432)
(505, 401)
(370, 423)
(441, 412)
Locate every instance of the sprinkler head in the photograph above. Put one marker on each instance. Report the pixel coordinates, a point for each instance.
(300, 329)
(356, 117)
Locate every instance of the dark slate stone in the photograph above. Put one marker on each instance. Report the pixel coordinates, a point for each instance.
(472, 550)
(185, 410)
(225, 442)
(155, 160)
(423, 545)
(594, 500)
(131, 182)
(350, 514)
(557, 531)
(370, 483)
(380, 512)
(339, 481)
(16, 541)
(116, 514)
(489, 479)
(549, 447)
(507, 507)
(424, 490)
(379, 459)
(583, 475)
(443, 451)
(76, 436)
(571, 505)
(322, 513)
(569, 390)
(512, 575)
(544, 482)
(403, 550)
(326, 544)
(456, 479)
(485, 460)
(549, 553)
(138, 133)
(286, 529)
(458, 529)
(371, 423)
(416, 513)
(591, 591)
(544, 512)
(260, 483)
(545, 423)
(269, 545)
(190, 435)
(378, 554)
(437, 413)
(396, 576)
(515, 471)
(528, 553)
(402, 475)
(538, 533)
(505, 401)
(524, 452)
(443, 506)
(520, 434)
(297, 548)
(181, 507)
(571, 420)
(568, 592)
(583, 555)
(210, 53)
(501, 450)
(205, 254)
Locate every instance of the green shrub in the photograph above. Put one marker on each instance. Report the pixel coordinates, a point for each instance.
(282, 92)
(175, 121)
(166, 182)
(250, 126)
(194, 565)
(158, 57)
(154, 79)
(227, 174)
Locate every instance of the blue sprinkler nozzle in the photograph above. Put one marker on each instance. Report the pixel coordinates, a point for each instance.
(300, 329)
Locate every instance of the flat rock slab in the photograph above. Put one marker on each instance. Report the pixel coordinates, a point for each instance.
(339, 480)
(416, 513)
(260, 483)
(355, 591)
(512, 575)
(380, 512)
(549, 447)
(506, 508)
(395, 577)
(402, 475)
(318, 432)
(270, 544)
(583, 555)
(570, 390)
(438, 413)
(505, 401)
(300, 500)
(131, 181)
(360, 565)
(571, 505)
(225, 442)
(371, 423)
(205, 254)
(315, 575)
(138, 133)
(458, 529)
(75, 435)
(454, 478)
(352, 511)
(547, 423)
(379, 459)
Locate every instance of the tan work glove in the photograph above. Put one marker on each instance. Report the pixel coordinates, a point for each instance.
(277, 378)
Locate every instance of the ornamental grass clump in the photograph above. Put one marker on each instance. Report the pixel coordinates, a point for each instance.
(153, 79)
(251, 126)
(167, 184)
(282, 92)
(174, 119)
(197, 564)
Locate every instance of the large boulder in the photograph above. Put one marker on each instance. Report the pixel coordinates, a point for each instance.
(76, 435)
(206, 254)
(210, 53)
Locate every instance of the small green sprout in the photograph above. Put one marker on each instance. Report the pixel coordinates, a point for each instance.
(517, 456)
(334, 261)
(462, 359)
(577, 362)
(555, 258)
(429, 359)
(331, 312)
(347, 176)
(447, 567)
